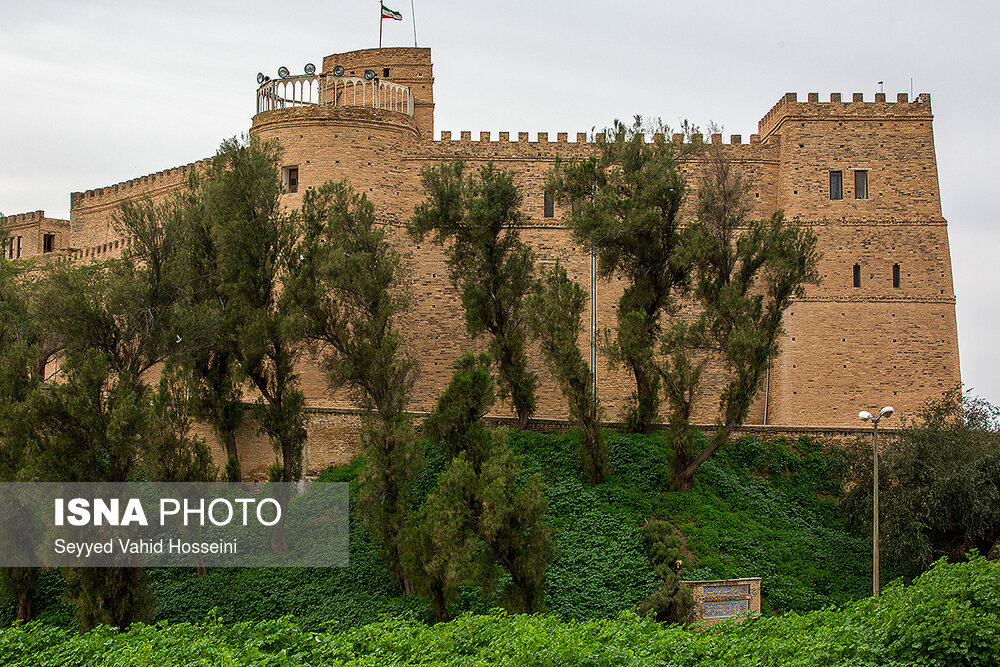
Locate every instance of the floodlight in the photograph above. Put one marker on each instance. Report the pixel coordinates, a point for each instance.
(260, 78)
(886, 411)
(338, 70)
(369, 74)
(864, 415)
(283, 72)
(310, 69)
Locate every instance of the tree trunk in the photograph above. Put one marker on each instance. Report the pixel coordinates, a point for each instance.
(522, 418)
(645, 409)
(440, 608)
(23, 606)
(233, 470)
(685, 479)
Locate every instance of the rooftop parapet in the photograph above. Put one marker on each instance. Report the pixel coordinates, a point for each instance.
(332, 90)
(545, 138)
(22, 218)
(141, 185)
(789, 105)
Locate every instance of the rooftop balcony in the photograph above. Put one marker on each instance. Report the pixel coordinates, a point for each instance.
(339, 91)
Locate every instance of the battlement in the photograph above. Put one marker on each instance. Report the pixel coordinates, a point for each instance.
(582, 138)
(857, 108)
(22, 218)
(136, 186)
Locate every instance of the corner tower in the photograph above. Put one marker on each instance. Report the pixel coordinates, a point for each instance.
(880, 328)
(354, 120)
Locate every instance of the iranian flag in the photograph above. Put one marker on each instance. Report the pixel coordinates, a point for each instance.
(389, 14)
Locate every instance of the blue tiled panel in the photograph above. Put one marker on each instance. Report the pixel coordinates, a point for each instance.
(724, 608)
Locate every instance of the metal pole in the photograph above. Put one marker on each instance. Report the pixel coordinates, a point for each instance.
(413, 20)
(380, 24)
(593, 322)
(875, 574)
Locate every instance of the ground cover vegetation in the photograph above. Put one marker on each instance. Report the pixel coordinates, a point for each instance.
(947, 617)
(756, 509)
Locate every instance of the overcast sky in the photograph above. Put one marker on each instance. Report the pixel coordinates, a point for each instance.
(97, 93)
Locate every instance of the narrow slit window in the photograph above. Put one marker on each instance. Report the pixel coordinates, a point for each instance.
(18, 246)
(48, 242)
(549, 207)
(895, 276)
(836, 185)
(857, 275)
(861, 184)
(290, 178)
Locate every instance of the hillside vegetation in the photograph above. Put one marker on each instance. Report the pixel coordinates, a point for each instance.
(757, 509)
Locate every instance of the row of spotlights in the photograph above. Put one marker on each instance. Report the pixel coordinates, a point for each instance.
(339, 71)
(310, 70)
(283, 72)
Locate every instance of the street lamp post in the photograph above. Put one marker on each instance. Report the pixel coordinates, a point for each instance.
(864, 415)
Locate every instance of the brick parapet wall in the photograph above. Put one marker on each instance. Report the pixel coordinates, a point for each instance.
(92, 211)
(788, 109)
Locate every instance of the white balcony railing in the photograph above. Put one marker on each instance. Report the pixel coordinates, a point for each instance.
(341, 91)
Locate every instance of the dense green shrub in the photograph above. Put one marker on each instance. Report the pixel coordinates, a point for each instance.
(948, 617)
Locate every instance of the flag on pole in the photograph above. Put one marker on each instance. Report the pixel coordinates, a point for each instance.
(390, 14)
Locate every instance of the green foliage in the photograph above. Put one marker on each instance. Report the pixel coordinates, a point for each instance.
(747, 272)
(672, 601)
(939, 484)
(237, 206)
(114, 596)
(456, 423)
(171, 452)
(439, 548)
(554, 311)
(479, 215)
(392, 462)
(948, 617)
(757, 509)
(626, 205)
(22, 365)
(346, 283)
(478, 495)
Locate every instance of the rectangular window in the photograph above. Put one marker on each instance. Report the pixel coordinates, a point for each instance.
(895, 275)
(290, 178)
(836, 185)
(385, 72)
(549, 207)
(48, 242)
(861, 184)
(857, 275)
(18, 246)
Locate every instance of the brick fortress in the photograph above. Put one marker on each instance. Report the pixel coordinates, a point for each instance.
(879, 330)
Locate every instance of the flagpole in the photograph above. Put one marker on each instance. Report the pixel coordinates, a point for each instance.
(413, 20)
(380, 24)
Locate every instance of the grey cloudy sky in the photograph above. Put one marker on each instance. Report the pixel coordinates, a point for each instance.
(97, 93)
